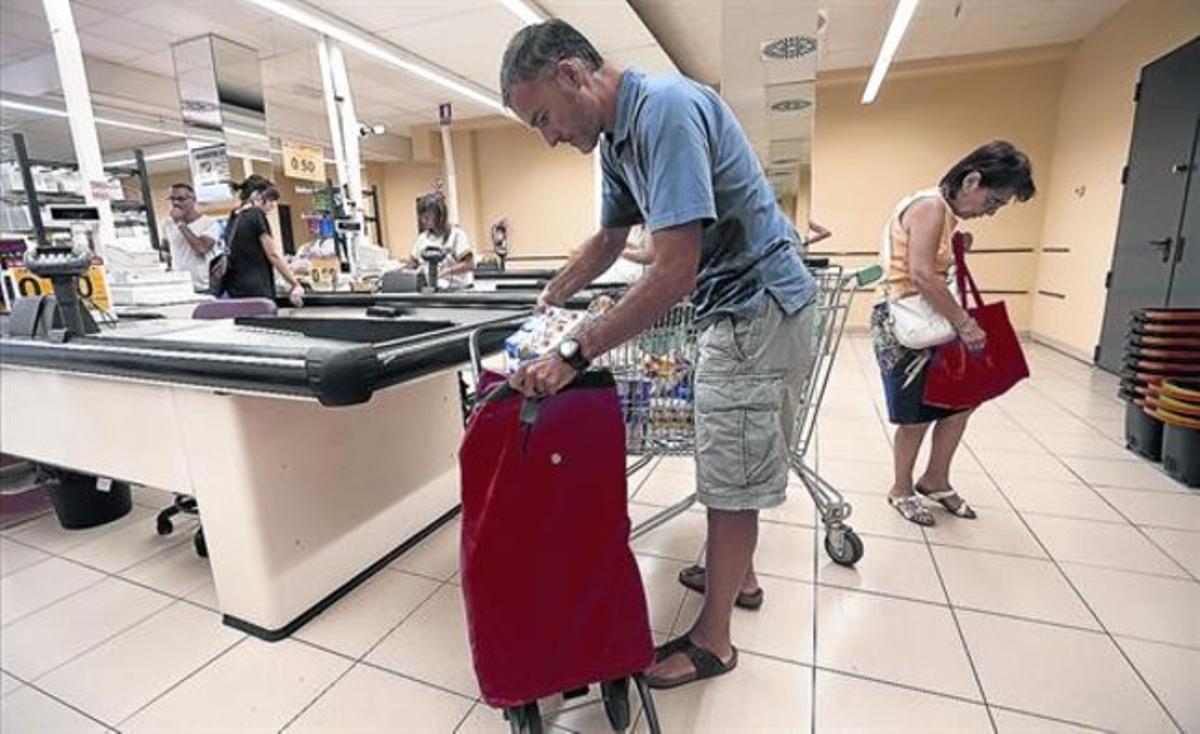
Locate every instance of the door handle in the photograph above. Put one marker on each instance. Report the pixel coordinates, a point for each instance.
(1165, 245)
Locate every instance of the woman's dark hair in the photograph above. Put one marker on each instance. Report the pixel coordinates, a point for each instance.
(540, 46)
(435, 204)
(1000, 166)
(255, 184)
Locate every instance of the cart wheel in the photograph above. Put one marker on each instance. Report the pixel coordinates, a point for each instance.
(165, 526)
(850, 550)
(647, 704)
(525, 719)
(616, 702)
(201, 545)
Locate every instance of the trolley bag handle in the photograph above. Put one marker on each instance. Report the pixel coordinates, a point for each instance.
(531, 406)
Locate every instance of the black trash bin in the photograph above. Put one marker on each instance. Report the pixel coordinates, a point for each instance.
(81, 501)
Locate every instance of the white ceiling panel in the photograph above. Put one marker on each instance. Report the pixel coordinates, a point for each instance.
(650, 59)
(15, 49)
(470, 46)
(376, 16)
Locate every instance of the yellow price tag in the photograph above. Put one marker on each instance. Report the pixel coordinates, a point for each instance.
(305, 162)
(92, 287)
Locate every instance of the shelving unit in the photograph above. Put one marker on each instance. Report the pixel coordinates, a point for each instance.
(33, 199)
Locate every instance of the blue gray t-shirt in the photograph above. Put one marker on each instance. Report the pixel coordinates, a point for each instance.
(677, 155)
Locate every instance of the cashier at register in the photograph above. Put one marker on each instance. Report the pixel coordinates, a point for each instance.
(458, 263)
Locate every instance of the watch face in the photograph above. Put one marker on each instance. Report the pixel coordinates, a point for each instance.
(568, 348)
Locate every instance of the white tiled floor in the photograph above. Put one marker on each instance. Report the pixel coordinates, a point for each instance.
(1072, 603)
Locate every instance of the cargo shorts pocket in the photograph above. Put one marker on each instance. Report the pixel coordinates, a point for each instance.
(739, 434)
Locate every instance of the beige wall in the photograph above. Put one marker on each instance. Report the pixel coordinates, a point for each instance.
(504, 172)
(547, 195)
(402, 183)
(1083, 189)
(867, 157)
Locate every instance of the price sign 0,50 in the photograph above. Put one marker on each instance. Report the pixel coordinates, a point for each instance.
(305, 162)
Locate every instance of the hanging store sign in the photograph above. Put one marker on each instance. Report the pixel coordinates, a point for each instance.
(210, 173)
(305, 162)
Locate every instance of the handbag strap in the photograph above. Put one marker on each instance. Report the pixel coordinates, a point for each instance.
(963, 274)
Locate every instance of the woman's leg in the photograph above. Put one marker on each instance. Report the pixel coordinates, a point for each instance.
(947, 434)
(935, 482)
(905, 448)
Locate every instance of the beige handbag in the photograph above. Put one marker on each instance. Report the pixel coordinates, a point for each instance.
(915, 322)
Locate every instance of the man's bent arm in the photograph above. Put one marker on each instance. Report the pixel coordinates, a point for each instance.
(669, 280)
(589, 261)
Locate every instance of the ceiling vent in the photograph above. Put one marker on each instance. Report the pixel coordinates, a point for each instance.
(791, 105)
(788, 47)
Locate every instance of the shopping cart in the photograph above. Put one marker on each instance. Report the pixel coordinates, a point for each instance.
(655, 374)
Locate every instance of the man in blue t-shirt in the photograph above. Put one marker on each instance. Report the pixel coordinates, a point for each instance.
(676, 160)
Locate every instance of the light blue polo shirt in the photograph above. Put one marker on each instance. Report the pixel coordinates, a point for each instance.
(677, 155)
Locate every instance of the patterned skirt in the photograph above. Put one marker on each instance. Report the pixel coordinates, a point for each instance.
(903, 371)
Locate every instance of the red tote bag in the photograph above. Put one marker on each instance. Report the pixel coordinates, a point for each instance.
(958, 378)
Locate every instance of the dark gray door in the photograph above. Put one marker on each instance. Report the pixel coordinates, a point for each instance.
(1185, 283)
(1152, 208)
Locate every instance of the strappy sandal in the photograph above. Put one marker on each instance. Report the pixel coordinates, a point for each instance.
(949, 499)
(911, 509)
(705, 663)
(693, 577)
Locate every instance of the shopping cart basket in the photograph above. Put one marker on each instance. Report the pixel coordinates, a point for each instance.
(655, 375)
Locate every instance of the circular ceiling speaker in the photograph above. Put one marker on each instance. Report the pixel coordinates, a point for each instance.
(789, 47)
(791, 105)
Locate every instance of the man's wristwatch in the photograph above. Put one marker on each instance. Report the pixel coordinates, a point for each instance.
(571, 352)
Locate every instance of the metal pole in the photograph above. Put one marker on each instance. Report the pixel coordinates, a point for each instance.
(147, 197)
(35, 210)
(353, 187)
(78, 97)
(335, 125)
(451, 176)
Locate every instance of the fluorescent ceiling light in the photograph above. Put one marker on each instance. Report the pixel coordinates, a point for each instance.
(165, 155)
(12, 105)
(356, 40)
(230, 130)
(528, 13)
(891, 42)
(52, 112)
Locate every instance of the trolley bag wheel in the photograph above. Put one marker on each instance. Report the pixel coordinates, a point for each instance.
(647, 704)
(201, 545)
(526, 719)
(846, 553)
(164, 525)
(615, 694)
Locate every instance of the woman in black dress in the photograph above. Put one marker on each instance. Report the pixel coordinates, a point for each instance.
(253, 253)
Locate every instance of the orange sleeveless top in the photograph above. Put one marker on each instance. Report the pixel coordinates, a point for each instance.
(897, 282)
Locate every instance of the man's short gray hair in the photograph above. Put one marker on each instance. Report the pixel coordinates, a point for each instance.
(537, 47)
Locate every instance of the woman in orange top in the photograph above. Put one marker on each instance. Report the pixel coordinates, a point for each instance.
(920, 233)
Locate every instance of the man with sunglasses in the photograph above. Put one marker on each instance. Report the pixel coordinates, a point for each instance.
(191, 236)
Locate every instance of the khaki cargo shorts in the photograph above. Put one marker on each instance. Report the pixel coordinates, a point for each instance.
(750, 379)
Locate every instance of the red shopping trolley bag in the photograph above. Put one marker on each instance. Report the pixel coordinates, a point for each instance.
(554, 599)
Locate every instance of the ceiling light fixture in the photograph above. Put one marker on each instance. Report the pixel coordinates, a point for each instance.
(165, 155)
(52, 112)
(891, 43)
(526, 11)
(380, 50)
